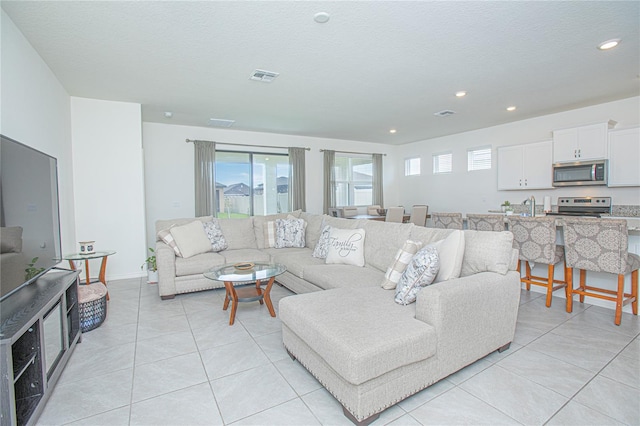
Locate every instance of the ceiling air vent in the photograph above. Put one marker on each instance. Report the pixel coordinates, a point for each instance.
(444, 113)
(264, 76)
(220, 122)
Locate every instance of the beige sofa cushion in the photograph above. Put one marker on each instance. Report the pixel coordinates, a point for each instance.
(198, 264)
(360, 333)
(245, 255)
(314, 226)
(383, 241)
(342, 276)
(168, 223)
(239, 233)
(259, 223)
(486, 251)
(296, 259)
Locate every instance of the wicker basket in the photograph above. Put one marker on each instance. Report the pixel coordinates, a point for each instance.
(92, 300)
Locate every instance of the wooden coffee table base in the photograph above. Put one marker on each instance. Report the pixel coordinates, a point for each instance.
(247, 294)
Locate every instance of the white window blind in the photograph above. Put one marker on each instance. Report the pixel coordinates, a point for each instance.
(479, 158)
(443, 163)
(412, 166)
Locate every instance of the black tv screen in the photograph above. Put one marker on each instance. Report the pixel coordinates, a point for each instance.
(29, 215)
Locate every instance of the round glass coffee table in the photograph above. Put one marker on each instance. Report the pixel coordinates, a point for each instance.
(246, 273)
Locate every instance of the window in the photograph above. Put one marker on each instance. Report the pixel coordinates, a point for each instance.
(353, 179)
(412, 166)
(443, 163)
(250, 184)
(479, 158)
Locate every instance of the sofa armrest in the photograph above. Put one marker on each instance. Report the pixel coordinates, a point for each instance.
(166, 263)
(473, 316)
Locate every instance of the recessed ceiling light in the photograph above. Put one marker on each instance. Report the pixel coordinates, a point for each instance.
(609, 44)
(511, 108)
(392, 131)
(168, 114)
(461, 94)
(321, 17)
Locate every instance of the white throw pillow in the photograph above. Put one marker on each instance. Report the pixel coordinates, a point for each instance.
(321, 249)
(214, 233)
(421, 272)
(400, 263)
(451, 253)
(289, 233)
(486, 252)
(191, 239)
(346, 246)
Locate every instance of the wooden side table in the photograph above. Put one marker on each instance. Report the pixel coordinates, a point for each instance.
(87, 257)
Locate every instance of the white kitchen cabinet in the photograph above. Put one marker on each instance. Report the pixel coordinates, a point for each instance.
(581, 143)
(624, 157)
(526, 166)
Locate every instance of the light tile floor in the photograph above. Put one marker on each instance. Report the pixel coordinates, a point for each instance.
(178, 362)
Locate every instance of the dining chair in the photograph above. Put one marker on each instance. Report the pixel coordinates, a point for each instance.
(373, 210)
(395, 214)
(419, 215)
(485, 222)
(600, 245)
(447, 220)
(535, 240)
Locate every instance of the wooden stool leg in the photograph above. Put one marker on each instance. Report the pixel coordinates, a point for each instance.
(528, 274)
(583, 283)
(619, 298)
(550, 271)
(566, 282)
(569, 276)
(634, 292)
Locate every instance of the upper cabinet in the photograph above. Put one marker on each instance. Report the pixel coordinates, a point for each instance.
(624, 152)
(581, 143)
(525, 166)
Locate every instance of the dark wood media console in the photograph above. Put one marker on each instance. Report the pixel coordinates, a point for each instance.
(39, 328)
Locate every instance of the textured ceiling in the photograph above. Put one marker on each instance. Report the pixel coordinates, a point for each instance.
(374, 66)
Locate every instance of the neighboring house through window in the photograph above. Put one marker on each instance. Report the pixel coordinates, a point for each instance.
(353, 179)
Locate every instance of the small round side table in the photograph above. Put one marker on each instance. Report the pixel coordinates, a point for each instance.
(86, 257)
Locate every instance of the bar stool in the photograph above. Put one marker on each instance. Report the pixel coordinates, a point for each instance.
(447, 220)
(600, 245)
(535, 239)
(485, 222)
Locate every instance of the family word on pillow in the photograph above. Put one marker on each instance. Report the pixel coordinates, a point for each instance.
(346, 246)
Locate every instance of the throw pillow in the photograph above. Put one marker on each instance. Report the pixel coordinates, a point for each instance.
(421, 272)
(451, 253)
(214, 233)
(167, 238)
(321, 249)
(191, 239)
(346, 246)
(270, 234)
(289, 233)
(397, 268)
(486, 252)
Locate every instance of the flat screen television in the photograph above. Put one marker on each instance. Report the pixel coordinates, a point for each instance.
(29, 215)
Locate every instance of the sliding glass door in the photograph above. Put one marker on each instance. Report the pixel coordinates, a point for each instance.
(251, 184)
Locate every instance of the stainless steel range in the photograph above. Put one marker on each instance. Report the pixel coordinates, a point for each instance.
(583, 206)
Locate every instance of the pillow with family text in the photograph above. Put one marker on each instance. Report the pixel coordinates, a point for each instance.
(346, 246)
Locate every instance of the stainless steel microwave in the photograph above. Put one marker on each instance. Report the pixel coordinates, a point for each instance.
(580, 173)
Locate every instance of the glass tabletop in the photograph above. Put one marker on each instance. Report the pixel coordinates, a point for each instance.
(259, 271)
(95, 255)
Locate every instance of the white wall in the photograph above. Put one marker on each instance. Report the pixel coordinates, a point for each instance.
(109, 181)
(476, 192)
(169, 168)
(35, 111)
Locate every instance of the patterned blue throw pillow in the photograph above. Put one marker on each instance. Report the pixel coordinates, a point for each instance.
(421, 272)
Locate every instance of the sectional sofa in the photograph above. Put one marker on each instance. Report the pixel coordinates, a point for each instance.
(368, 351)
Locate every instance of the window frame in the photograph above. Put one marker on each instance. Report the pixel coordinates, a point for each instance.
(408, 166)
(349, 181)
(474, 151)
(436, 162)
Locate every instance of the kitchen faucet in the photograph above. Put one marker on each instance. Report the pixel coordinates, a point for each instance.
(532, 205)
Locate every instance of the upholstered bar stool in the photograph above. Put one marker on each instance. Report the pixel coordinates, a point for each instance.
(447, 220)
(535, 239)
(600, 245)
(485, 222)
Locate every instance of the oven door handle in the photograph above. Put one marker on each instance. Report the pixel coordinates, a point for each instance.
(593, 172)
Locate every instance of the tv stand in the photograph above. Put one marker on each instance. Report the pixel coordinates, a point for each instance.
(39, 328)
